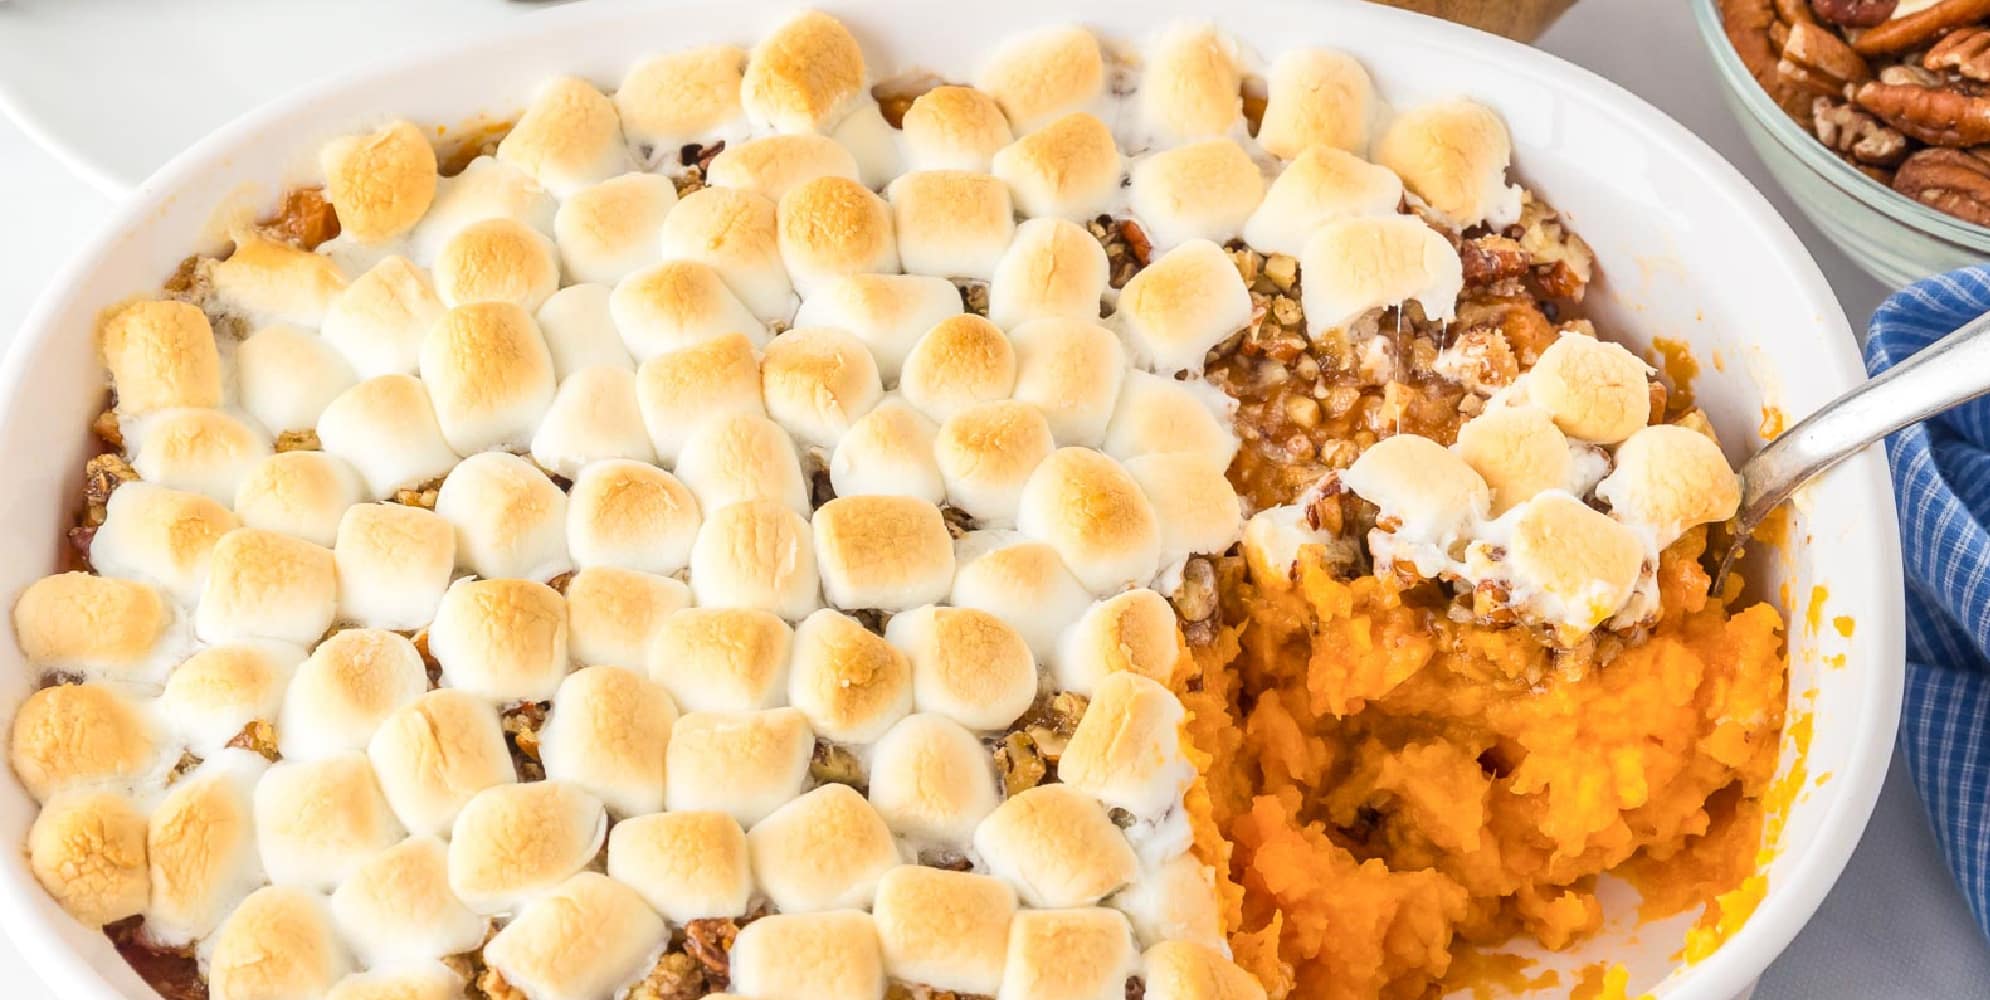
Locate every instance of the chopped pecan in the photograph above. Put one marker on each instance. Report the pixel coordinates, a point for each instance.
(709, 941)
(1137, 242)
(834, 764)
(675, 976)
(304, 220)
(102, 475)
(1965, 51)
(1816, 59)
(973, 296)
(304, 440)
(1848, 130)
(1938, 117)
(1921, 27)
(107, 430)
(259, 736)
(1195, 599)
(1020, 764)
(1853, 13)
(1948, 180)
(1488, 259)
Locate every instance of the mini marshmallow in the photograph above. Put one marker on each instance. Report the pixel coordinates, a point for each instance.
(631, 515)
(1182, 305)
(201, 841)
(1564, 562)
(1670, 478)
(568, 137)
(394, 562)
(513, 842)
(98, 625)
(948, 930)
(199, 451)
(594, 418)
(1071, 371)
(501, 640)
(263, 585)
(588, 938)
(803, 76)
(280, 942)
(1192, 85)
(432, 754)
(489, 376)
(1597, 391)
(735, 459)
(986, 454)
(318, 820)
(967, 665)
(954, 128)
(1315, 98)
(379, 321)
(423, 980)
(1056, 845)
(1039, 76)
(1155, 415)
(1454, 154)
(817, 381)
(338, 697)
(580, 331)
(1081, 954)
(888, 312)
(773, 165)
(1093, 513)
(386, 428)
(1174, 901)
(613, 612)
(831, 227)
(888, 452)
(1069, 168)
(381, 182)
(155, 535)
(288, 377)
(743, 764)
(1134, 632)
(497, 260)
(675, 305)
(87, 849)
(161, 355)
(733, 233)
(212, 697)
(1433, 495)
(510, 520)
(1189, 970)
(268, 282)
(850, 683)
(1377, 262)
(755, 554)
(891, 553)
(951, 223)
(1518, 451)
(75, 735)
(608, 231)
(961, 361)
(809, 956)
(676, 98)
(1201, 191)
(1127, 747)
(722, 659)
(487, 188)
(872, 142)
(930, 779)
(301, 493)
(1322, 185)
(1054, 268)
(1024, 583)
(687, 865)
(680, 390)
(1198, 509)
(826, 850)
(1275, 537)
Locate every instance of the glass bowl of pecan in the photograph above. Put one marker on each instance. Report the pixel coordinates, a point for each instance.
(1873, 114)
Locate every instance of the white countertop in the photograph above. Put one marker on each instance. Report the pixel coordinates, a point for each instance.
(1895, 926)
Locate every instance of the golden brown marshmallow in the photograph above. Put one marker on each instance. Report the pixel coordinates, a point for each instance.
(380, 183)
(160, 355)
(613, 612)
(888, 312)
(948, 930)
(489, 376)
(954, 128)
(675, 98)
(966, 664)
(887, 552)
(1054, 268)
(1203, 190)
(1596, 390)
(687, 865)
(435, 753)
(825, 850)
(1069, 168)
(608, 231)
(1315, 97)
(850, 683)
(1183, 970)
(735, 234)
(1518, 451)
(426, 980)
(279, 943)
(393, 562)
(930, 780)
(1135, 632)
(300, 493)
(1376, 262)
(679, 390)
(1056, 845)
(1671, 478)
(586, 939)
(93, 624)
(1127, 747)
(1079, 954)
(743, 764)
(201, 451)
(487, 188)
(1174, 901)
(510, 519)
(803, 76)
(888, 452)
(579, 327)
(773, 165)
(675, 305)
(1192, 87)
(962, 361)
(631, 515)
(270, 282)
(951, 223)
(317, 820)
(263, 585)
(502, 640)
(339, 696)
(1159, 415)
(1088, 508)
(1431, 492)
(87, 848)
(397, 906)
(512, 842)
(817, 381)
(833, 226)
(1071, 371)
(1024, 583)
(1322, 185)
(1038, 76)
(722, 659)
(201, 842)
(1199, 511)
(286, 377)
(218, 691)
(568, 138)
(986, 454)
(594, 418)
(160, 536)
(1182, 305)
(809, 956)
(386, 428)
(379, 321)
(1570, 563)
(735, 459)
(1454, 154)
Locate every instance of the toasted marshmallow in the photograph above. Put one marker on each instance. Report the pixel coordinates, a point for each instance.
(1431, 494)
(676, 305)
(152, 534)
(379, 183)
(986, 454)
(1155, 415)
(931, 782)
(613, 612)
(888, 452)
(338, 697)
(680, 390)
(316, 821)
(263, 585)
(817, 381)
(1054, 268)
(279, 943)
(1069, 168)
(87, 848)
(1668, 479)
(393, 564)
(568, 138)
(426, 980)
(960, 362)
(967, 665)
(631, 515)
(733, 233)
(676, 98)
(1198, 509)
(1042, 75)
(510, 520)
(888, 312)
(831, 227)
(161, 355)
(580, 331)
(722, 659)
(301, 493)
(608, 231)
(386, 428)
(486, 189)
(954, 128)
(1175, 901)
(1190, 970)
(755, 554)
(1192, 87)
(200, 451)
(1127, 748)
(1023, 583)
(1071, 371)
(1093, 513)
(1565, 563)
(1518, 451)
(1376, 262)
(1316, 98)
(872, 142)
(218, 691)
(735, 459)
(951, 223)
(1597, 391)
(687, 865)
(288, 377)
(1134, 632)
(1321, 186)
(73, 735)
(594, 418)
(1181, 305)
(891, 553)
(743, 764)
(809, 956)
(489, 376)
(948, 930)
(1201, 191)
(397, 906)
(1082, 954)
(804, 76)
(379, 321)
(513, 842)
(825, 850)
(433, 754)
(589, 938)
(502, 640)
(1454, 154)
(268, 282)
(850, 683)
(114, 629)
(773, 165)
(201, 841)
(1056, 845)
(497, 260)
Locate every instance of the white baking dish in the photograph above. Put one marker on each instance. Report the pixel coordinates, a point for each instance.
(1689, 252)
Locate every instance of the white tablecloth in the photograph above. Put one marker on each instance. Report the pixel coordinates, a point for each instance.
(1894, 927)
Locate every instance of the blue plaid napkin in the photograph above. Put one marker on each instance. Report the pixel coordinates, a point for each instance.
(1941, 479)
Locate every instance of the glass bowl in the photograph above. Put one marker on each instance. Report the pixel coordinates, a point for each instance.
(1889, 235)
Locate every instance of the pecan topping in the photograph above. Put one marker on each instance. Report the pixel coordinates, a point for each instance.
(1948, 180)
(709, 941)
(1965, 51)
(676, 976)
(1488, 259)
(1921, 27)
(1816, 59)
(1853, 13)
(102, 475)
(1856, 134)
(304, 440)
(1936, 117)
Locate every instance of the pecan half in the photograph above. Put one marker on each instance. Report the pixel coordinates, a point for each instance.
(1948, 180)
(1854, 13)
(1816, 59)
(1936, 116)
(1854, 133)
(1966, 51)
(1921, 27)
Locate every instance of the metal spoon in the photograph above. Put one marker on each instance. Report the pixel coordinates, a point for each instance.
(1947, 373)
